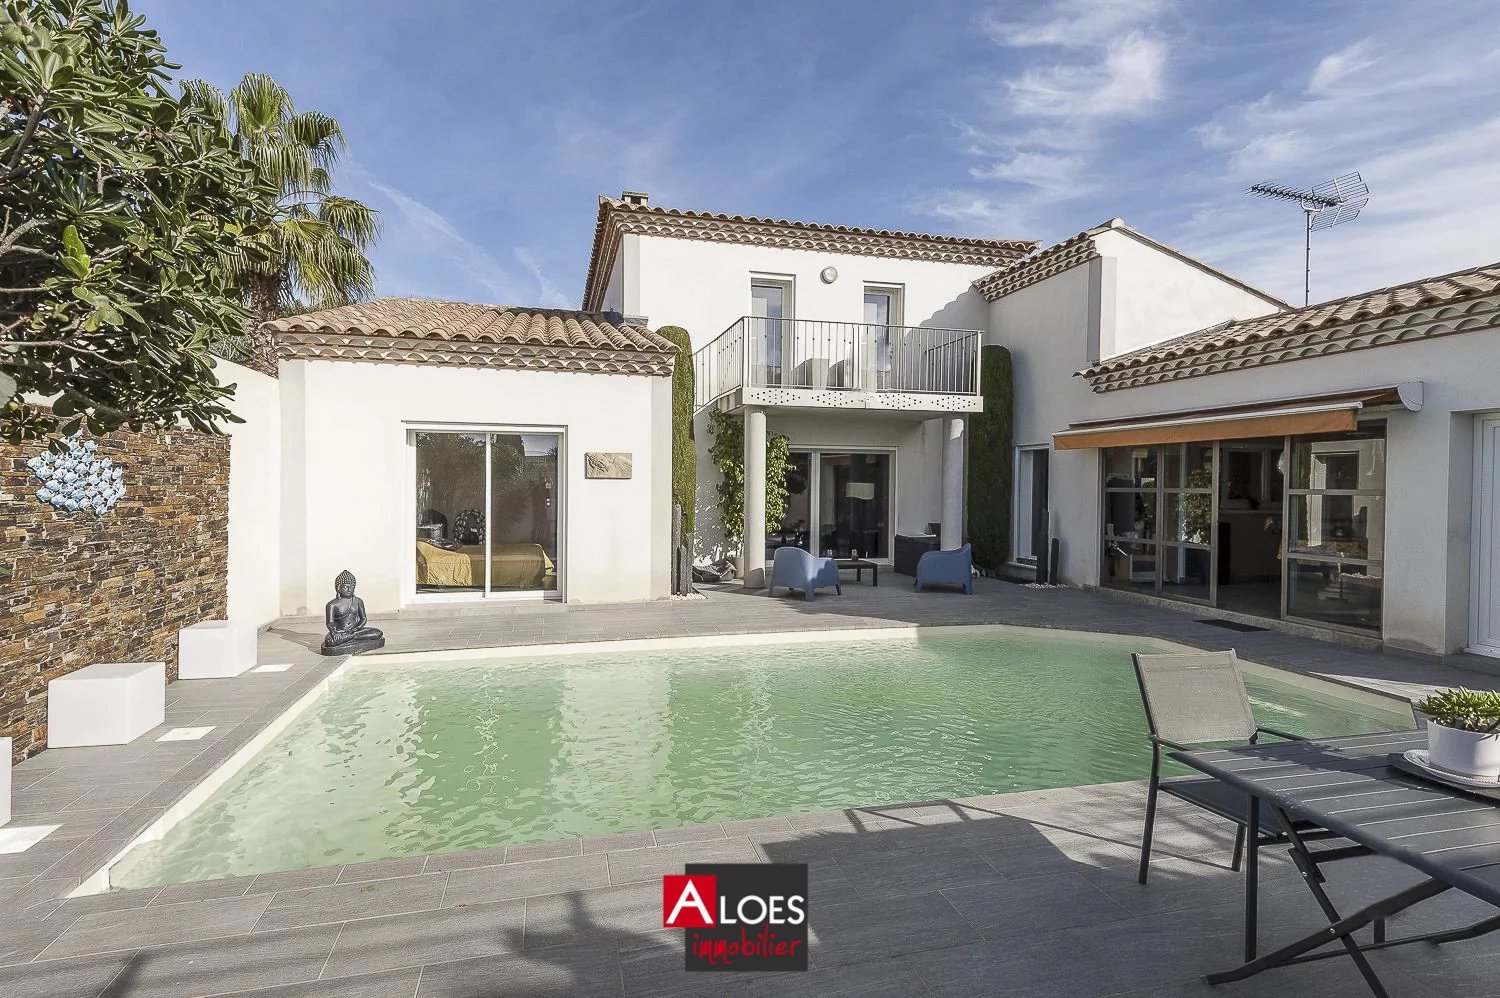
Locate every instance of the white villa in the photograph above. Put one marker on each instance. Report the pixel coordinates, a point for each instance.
(1184, 436)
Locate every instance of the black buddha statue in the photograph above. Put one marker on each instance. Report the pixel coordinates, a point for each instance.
(345, 616)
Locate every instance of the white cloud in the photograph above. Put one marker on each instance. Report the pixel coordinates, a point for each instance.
(1337, 67)
(1076, 70)
(1127, 81)
(970, 212)
(1072, 22)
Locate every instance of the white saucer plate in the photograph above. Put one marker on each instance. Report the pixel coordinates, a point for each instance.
(1418, 757)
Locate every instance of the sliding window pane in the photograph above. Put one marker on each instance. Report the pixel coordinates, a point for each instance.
(1185, 572)
(1130, 565)
(1339, 526)
(1345, 461)
(1130, 514)
(1189, 517)
(523, 512)
(449, 504)
(1346, 593)
(1130, 467)
(1188, 466)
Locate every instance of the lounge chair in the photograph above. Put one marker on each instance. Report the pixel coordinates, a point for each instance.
(794, 568)
(946, 568)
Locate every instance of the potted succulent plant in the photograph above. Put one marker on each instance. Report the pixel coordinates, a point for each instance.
(1463, 732)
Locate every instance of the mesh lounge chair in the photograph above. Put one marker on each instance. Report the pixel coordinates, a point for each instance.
(794, 568)
(1195, 699)
(950, 568)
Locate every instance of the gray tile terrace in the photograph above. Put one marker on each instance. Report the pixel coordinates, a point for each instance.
(1023, 893)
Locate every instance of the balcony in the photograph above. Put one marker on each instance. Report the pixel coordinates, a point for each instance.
(807, 363)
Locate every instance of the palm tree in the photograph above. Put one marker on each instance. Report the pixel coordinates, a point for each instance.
(314, 252)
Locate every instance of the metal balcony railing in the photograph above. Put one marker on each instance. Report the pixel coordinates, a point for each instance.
(854, 356)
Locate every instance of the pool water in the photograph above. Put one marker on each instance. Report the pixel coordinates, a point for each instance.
(407, 759)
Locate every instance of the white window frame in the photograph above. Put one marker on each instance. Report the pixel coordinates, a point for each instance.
(1021, 503)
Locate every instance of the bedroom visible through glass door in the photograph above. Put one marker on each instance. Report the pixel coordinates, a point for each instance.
(486, 507)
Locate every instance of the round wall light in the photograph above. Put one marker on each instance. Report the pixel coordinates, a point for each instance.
(829, 275)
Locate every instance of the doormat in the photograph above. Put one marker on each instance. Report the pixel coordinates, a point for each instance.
(1231, 625)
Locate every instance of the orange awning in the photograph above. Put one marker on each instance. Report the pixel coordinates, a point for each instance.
(1331, 413)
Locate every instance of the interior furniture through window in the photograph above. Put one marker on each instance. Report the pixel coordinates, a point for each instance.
(486, 512)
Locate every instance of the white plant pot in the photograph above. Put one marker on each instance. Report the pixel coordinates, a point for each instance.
(1468, 753)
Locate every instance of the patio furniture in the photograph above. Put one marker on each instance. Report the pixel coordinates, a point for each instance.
(1192, 699)
(859, 566)
(1347, 786)
(946, 568)
(111, 703)
(795, 568)
(215, 649)
(909, 549)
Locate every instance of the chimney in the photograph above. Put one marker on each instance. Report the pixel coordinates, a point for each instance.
(636, 199)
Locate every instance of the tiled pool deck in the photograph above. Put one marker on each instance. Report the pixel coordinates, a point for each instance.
(1027, 894)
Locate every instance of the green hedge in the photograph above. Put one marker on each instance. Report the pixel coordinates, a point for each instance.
(991, 460)
(684, 458)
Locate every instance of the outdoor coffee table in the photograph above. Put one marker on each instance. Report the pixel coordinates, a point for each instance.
(1345, 785)
(858, 566)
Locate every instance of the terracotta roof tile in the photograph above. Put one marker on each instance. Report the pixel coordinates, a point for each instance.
(420, 330)
(1261, 329)
(1464, 301)
(618, 217)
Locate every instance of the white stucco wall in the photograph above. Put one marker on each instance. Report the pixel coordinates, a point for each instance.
(704, 286)
(1157, 295)
(347, 473)
(1134, 294)
(254, 494)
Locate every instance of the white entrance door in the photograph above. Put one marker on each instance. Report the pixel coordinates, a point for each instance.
(1484, 609)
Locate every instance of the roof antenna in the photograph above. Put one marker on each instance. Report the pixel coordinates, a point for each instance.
(1330, 203)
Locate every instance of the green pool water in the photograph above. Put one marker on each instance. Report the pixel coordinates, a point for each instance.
(407, 759)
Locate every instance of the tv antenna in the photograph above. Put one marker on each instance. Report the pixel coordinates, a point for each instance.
(1330, 203)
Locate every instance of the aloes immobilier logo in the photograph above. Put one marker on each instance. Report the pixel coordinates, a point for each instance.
(739, 916)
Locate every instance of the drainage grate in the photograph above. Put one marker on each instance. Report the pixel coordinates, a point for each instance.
(1231, 625)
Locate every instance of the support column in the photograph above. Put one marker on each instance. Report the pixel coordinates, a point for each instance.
(952, 535)
(753, 548)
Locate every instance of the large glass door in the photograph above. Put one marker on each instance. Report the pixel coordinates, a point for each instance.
(1288, 527)
(854, 505)
(838, 505)
(486, 506)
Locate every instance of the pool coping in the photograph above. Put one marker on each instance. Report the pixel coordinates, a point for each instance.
(98, 882)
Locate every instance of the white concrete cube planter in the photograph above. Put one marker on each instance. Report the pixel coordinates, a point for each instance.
(4, 780)
(106, 704)
(215, 649)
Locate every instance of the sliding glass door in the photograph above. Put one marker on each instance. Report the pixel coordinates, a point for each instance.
(1226, 523)
(486, 507)
(839, 505)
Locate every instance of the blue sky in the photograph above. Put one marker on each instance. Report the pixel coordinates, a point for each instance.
(484, 132)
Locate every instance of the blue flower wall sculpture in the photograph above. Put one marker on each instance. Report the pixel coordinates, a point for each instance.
(78, 479)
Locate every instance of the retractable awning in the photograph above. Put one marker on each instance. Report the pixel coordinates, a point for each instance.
(1328, 413)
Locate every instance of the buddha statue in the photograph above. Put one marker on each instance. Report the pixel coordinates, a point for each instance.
(345, 616)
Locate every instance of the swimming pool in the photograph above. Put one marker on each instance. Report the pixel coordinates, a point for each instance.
(419, 757)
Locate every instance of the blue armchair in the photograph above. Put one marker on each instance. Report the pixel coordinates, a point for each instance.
(794, 568)
(950, 568)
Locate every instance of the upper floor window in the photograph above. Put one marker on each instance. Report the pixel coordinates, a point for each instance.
(770, 308)
(882, 311)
